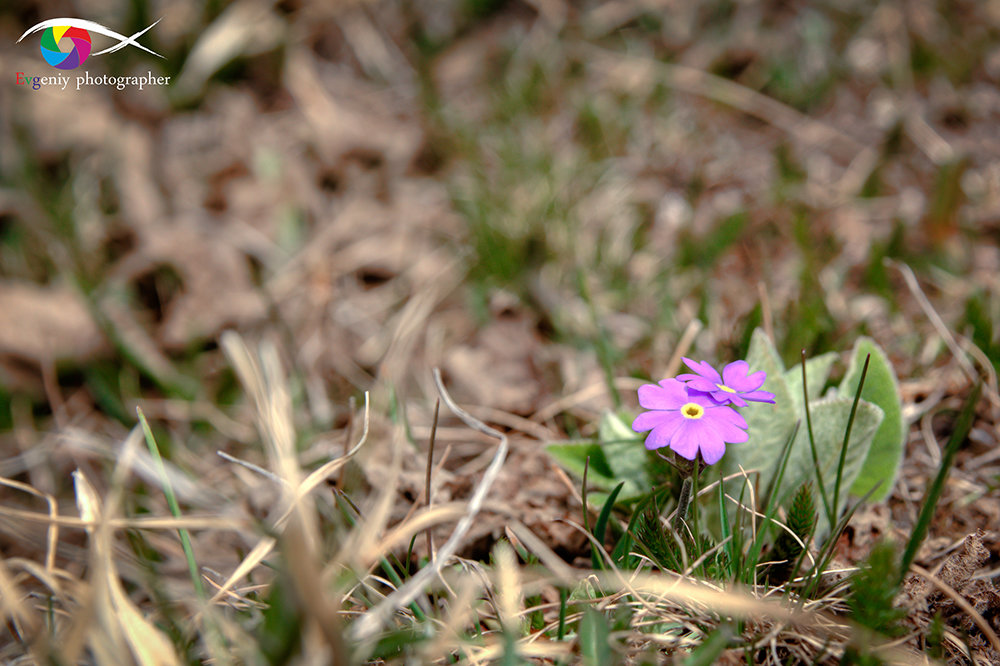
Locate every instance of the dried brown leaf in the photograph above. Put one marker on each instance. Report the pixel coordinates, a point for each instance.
(47, 324)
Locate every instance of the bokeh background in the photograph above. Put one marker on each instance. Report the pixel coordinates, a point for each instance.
(549, 200)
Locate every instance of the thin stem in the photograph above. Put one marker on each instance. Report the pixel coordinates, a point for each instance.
(427, 477)
(348, 436)
(563, 597)
(847, 434)
(812, 444)
(694, 500)
(682, 504)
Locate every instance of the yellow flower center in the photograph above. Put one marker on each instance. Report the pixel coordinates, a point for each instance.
(692, 411)
(726, 388)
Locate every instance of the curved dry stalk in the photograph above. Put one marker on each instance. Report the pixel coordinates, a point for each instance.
(318, 475)
(942, 329)
(52, 536)
(258, 383)
(322, 472)
(366, 627)
(420, 520)
(14, 608)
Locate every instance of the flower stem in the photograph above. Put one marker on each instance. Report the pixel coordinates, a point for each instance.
(682, 503)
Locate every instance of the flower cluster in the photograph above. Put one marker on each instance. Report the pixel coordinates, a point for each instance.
(691, 413)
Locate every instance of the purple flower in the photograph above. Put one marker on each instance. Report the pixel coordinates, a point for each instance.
(687, 422)
(733, 386)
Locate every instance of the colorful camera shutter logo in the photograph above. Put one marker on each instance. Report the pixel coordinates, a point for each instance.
(65, 47)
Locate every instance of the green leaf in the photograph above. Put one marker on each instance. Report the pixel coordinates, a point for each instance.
(573, 456)
(617, 456)
(601, 526)
(594, 634)
(829, 417)
(770, 425)
(707, 653)
(279, 635)
(881, 388)
(614, 429)
(817, 372)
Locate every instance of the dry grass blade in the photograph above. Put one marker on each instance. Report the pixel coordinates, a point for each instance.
(139, 523)
(52, 536)
(940, 326)
(508, 585)
(555, 564)
(149, 645)
(366, 627)
(120, 620)
(364, 540)
(249, 563)
(12, 607)
(421, 520)
(323, 472)
(263, 378)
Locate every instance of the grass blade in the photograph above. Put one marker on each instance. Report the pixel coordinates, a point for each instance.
(962, 427)
(175, 507)
(726, 531)
(847, 437)
(772, 508)
(601, 526)
(812, 443)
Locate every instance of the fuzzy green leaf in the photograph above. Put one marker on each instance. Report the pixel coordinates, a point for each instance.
(817, 372)
(829, 418)
(881, 388)
(770, 425)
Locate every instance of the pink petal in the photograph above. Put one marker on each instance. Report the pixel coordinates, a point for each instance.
(684, 441)
(713, 454)
(727, 431)
(703, 369)
(698, 383)
(720, 397)
(663, 433)
(668, 394)
(649, 420)
(708, 440)
(728, 415)
(739, 380)
(760, 396)
(734, 372)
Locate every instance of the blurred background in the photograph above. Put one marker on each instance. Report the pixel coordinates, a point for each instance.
(546, 199)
